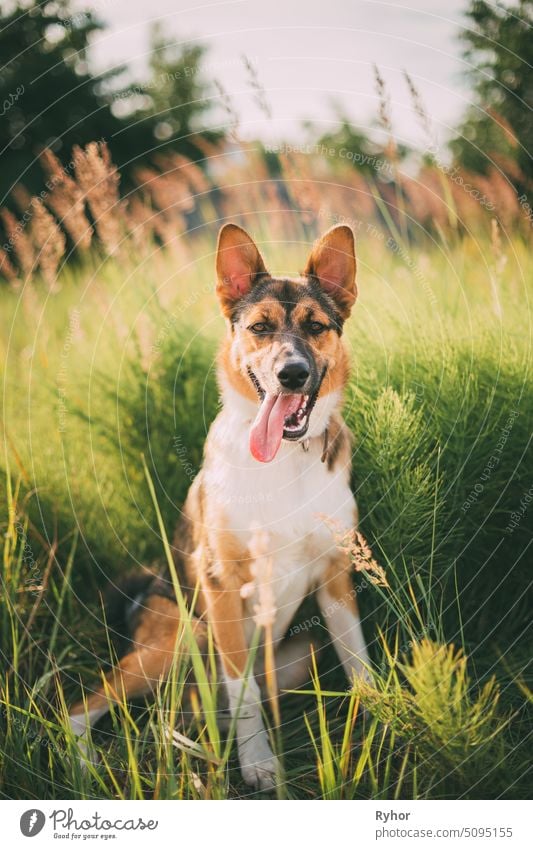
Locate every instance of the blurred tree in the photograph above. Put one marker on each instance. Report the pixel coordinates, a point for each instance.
(499, 46)
(49, 98)
(356, 147)
(176, 90)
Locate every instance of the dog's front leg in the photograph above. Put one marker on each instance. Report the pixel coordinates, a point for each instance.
(336, 599)
(225, 609)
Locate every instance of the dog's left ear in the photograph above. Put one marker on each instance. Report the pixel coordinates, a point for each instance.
(332, 262)
(238, 264)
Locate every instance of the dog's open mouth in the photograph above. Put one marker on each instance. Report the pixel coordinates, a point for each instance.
(280, 417)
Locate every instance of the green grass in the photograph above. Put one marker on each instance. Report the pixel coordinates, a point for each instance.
(120, 365)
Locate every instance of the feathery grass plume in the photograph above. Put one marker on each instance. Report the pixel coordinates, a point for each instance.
(7, 269)
(232, 127)
(496, 244)
(186, 170)
(419, 107)
(257, 87)
(354, 191)
(98, 179)
(353, 543)
(509, 167)
(265, 608)
(498, 265)
(261, 571)
(298, 171)
(22, 197)
(18, 240)
(139, 221)
(66, 201)
(385, 112)
(49, 240)
(167, 225)
(424, 197)
(210, 149)
(467, 207)
(396, 207)
(498, 188)
(167, 192)
(296, 190)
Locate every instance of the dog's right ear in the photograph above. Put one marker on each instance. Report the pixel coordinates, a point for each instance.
(238, 264)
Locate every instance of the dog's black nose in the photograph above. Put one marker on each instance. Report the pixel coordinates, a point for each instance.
(293, 375)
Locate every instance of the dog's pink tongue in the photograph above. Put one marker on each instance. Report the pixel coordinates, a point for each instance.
(267, 430)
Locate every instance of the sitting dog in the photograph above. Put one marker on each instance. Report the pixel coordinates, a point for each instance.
(277, 457)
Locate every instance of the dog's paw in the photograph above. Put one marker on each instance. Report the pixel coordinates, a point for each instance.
(86, 753)
(259, 765)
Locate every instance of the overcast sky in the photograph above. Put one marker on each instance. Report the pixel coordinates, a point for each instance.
(308, 55)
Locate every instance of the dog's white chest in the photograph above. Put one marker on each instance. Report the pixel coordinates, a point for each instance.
(287, 499)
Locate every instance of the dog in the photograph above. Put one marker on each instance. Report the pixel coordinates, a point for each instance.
(277, 456)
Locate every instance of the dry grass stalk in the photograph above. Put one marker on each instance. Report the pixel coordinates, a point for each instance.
(168, 192)
(166, 226)
(177, 185)
(303, 190)
(500, 261)
(424, 196)
(66, 201)
(419, 107)
(509, 167)
(20, 243)
(209, 149)
(7, 270)
(22, 197)
(265, 607)
(139, 220)
(353, 543)
(232, 127)
(98, 179)
(186, 170)
(257, 87)
(49, 240)
(385, 112)
(501, 193)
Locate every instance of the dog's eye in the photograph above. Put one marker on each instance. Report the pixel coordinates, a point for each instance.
(316, 327)
(260, 327)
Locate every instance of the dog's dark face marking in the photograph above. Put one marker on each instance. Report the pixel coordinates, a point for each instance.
(285, 327)
(285, 334)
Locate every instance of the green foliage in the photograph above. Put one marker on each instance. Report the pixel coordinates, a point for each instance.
(500, 49)
(50, 98)
(449, 732)
(177, 91)
(439, 404)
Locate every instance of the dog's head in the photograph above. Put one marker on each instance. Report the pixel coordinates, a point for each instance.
(284, 349)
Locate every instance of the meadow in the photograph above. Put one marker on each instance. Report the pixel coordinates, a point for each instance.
(109, 387)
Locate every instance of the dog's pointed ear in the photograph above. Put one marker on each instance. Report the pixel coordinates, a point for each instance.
(238, 264)
(332, 263)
